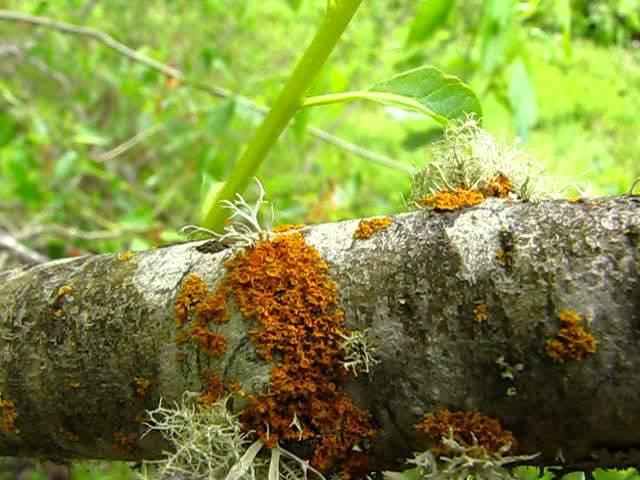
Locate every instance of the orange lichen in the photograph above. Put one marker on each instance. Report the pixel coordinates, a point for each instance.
(480, 313)
(498, 187)
(502, 258)
(287, 227)
(215, 389)
(366, 228)
(142, 385)
(451, 200)
(236, 388)
(57, 313)
(125, 256)
(74, 384)
(193, 290)
(463, 427)
(283, 285)
(210, 342)
(212, 308)
(125, 441)
(572, 342)
(64, 290)
(8, 414)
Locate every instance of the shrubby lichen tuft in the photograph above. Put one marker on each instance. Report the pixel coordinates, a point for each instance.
(469, 158)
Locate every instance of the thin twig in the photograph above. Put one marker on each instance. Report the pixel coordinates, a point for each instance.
(21, 251)
(219, 92)
(68, 232)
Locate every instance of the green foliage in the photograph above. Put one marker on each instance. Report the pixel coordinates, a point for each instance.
(441, 96)
(431, 16)
(92, 140)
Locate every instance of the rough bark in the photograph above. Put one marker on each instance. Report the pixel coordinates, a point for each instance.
(69, 362)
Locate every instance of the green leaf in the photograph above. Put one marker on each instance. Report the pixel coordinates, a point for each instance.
(65, 165)
(410, 474)
(441, 96)
(614, 474)
(431, 16)
(522, 99)
(573, 476)
(87, 136)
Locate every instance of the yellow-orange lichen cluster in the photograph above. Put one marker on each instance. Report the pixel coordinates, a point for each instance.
(366, 228)
(461, 197)
(125, 256)
(480, 313)
(451, 200)
(498, 187)
(198, 309)
(572, 342)
(287, 227)
(464, 426)
(8, 416)
(142, 385)
(283, 285)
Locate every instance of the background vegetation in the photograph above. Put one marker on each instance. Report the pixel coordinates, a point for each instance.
(99, 153)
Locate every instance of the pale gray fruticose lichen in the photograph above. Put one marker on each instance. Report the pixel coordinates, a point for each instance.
(209, 443)
(462, 462)
(470, 157)
(359, 350)
(244, 229)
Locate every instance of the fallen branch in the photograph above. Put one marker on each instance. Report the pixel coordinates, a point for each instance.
(451, 302)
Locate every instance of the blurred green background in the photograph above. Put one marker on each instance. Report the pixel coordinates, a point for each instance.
(99, 153)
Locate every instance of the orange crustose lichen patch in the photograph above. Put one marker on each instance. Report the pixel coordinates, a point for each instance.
(142, 385)
(366, 228)
(64, 290)
(451, 200)
(125, 441)
(215, 389)
(193, 291)
(125, 256)
(463, 426)
(198, 309)
(8, 416)
(287, 227)
(572, 342)
(498, 187)
(480, 313)
(283, 285)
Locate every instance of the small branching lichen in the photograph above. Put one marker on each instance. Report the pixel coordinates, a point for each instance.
(509, 372)
(469, 164)
(572, 342)
(207, 440)
(210, 442)
(244, 228)
(463, 461)
(359, 348)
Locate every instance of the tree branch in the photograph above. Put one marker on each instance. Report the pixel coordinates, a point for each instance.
(219, 92)
(451, 301)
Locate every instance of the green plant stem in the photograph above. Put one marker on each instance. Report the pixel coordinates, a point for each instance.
(339, 14)
(380, 97)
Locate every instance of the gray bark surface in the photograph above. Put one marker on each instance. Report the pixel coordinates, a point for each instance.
(69, 362)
